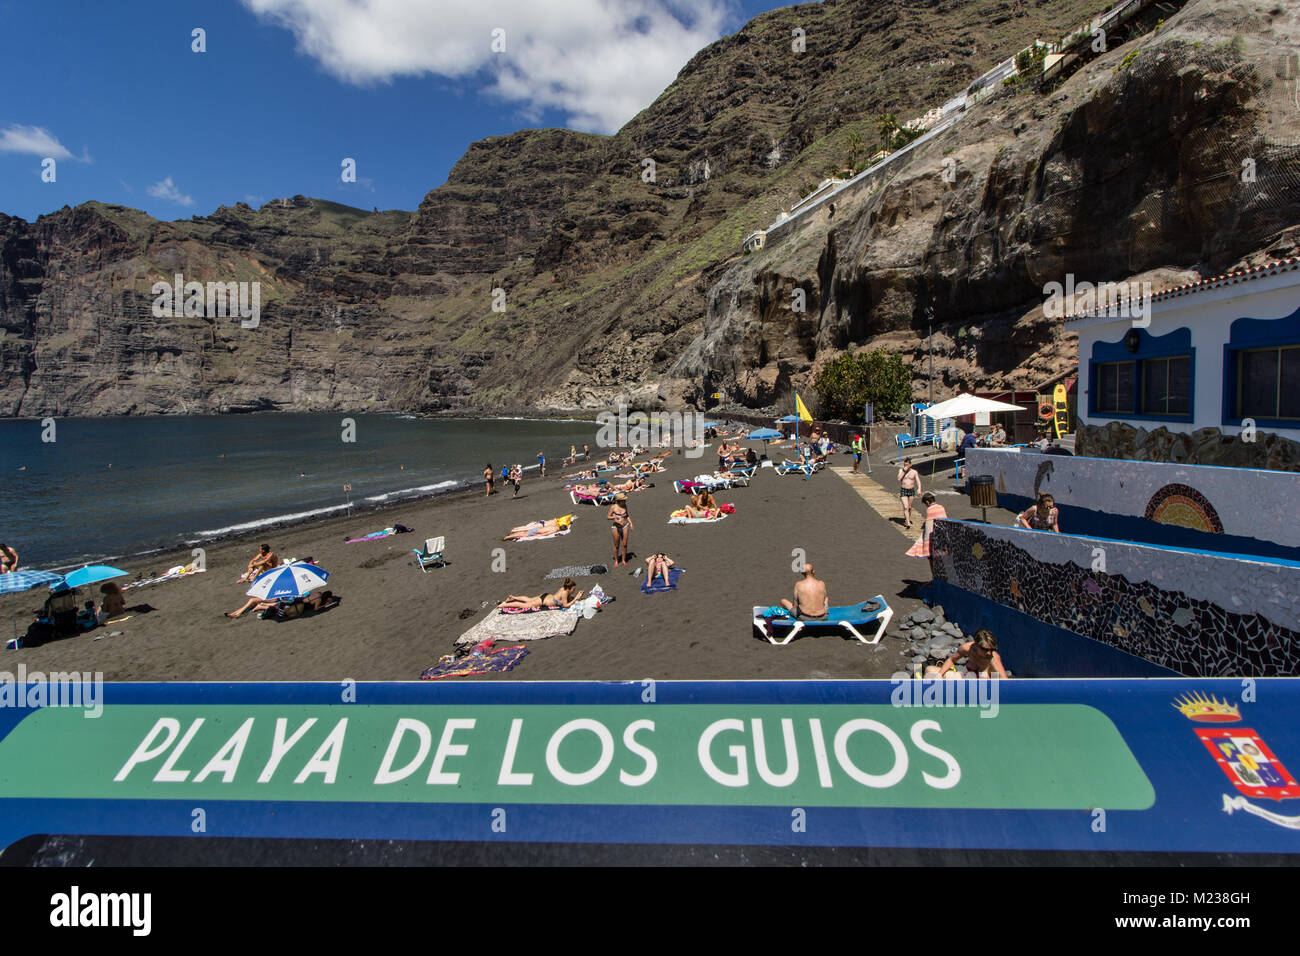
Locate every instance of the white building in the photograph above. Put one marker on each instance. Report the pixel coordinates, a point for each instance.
(754, 240)
(1219, 353)
(827, 187)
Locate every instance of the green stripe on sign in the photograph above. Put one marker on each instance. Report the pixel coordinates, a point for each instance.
(1029, 756)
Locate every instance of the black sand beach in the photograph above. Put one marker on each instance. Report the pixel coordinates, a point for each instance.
(394, 621)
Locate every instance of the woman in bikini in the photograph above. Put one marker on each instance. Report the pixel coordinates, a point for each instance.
(657, 566)
(620, 527)
(535, 528)
(703, 505)
(8, 559)
(981, 654)
(558, 601)
(1042, 516)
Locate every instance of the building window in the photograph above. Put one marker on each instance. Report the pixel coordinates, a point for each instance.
(1268, 383)
(1115, 387)
(1167, 386)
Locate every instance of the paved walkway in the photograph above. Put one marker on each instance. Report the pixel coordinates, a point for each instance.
(881, 501)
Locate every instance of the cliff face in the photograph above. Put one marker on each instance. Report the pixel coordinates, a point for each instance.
(1133, 169)
(618, 284)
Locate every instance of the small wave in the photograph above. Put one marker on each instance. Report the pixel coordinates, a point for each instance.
(412, 491)
(276, 519)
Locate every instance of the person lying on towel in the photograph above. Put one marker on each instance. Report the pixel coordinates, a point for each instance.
(538, 528)
(558, 601)
(656, 566)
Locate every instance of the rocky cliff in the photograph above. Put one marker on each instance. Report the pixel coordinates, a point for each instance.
(560, 270)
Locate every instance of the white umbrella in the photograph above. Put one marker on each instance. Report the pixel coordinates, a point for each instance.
(967, 404)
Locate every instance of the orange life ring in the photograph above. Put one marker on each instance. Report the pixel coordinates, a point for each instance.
(1046, 410)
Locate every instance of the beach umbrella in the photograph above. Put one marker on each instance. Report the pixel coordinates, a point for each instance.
(764, 434)
(91, 574)
(15, 581)
(293, 580)
(786, 420)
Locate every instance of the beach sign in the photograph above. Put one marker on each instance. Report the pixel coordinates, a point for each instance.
(1013, 765)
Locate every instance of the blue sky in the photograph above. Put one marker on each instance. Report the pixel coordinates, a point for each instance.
(287, 89)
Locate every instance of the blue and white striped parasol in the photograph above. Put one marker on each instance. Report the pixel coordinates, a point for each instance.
(26, 580)
(291, 581)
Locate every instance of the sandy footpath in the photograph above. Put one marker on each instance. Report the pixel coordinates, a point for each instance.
(395, 620)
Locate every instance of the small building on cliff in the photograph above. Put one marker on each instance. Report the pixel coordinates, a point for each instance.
(1205, 373)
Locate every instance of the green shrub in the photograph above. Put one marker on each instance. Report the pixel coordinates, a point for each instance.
(879, 377)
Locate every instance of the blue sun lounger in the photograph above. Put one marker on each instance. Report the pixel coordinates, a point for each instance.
(852, 618)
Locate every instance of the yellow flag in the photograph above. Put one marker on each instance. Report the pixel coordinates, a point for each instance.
(801, 409)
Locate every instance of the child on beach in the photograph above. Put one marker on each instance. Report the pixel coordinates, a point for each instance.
(620, 527)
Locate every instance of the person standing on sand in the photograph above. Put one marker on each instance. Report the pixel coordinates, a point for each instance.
(586, 453)
(516, 478)
(541, 463)
(909, 486)
(933, 512)
(487, 479)
(811, 602)
(620, 526)
(857, 452)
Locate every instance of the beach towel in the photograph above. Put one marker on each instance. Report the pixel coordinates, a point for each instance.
(494, 660)
(374, 535)
(680, 517)
(659, 586)
(171, 575)
(519, 627)
(575, 571)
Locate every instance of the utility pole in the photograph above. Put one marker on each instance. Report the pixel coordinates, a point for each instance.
(929, 337)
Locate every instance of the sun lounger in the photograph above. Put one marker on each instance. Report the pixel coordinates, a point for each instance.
(853, 618)
(432, 554)
(584, 499)
(788, 467)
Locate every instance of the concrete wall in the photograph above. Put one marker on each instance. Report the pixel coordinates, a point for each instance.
(1216, 509)
(1197, 613)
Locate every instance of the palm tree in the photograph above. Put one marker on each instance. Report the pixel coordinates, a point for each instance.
(856, 146)
(887, 126)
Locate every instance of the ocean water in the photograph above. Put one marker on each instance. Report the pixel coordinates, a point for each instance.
(115, 487)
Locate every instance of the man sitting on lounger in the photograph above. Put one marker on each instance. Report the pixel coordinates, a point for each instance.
(564, 597)
(263, 561)
(811, 602)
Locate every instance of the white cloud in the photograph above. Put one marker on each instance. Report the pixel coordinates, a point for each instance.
(36, 141)
(597, 61)
(166, 189)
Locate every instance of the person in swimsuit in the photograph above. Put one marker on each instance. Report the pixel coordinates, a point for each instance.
(264, 560)
(656, 566)
(535, 528)
(811, 601)
(561, 599)
(703, 505)
(1042, 516)
(516, 477)
(113, 604)
(8, 559)
(981, 655)
(487, 478)
(620, 528)
(909, 486)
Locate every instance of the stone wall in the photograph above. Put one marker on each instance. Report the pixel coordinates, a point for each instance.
(1202, 615)
(1205, 446)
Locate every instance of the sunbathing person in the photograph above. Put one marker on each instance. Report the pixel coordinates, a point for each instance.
(113, 605)
(564, 597)
(703, 498)
(263, 561)
(656, 566)
(981, 655)
(8, 559)
(587, 475)
(535, 528)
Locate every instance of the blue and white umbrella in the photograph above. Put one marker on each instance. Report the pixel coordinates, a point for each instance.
(15, 581)
(291, 581)
(764, 434)
(26, 580)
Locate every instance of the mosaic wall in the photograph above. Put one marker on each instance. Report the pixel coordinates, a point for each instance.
(1201, 615)
(1205, 446)
(1217, 509)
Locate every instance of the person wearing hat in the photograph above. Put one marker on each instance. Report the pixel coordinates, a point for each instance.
(620, 527)
(857, 452)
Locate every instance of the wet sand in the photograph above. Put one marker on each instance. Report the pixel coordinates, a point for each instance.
(394, 620)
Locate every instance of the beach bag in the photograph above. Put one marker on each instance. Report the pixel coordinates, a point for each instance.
(728, 509)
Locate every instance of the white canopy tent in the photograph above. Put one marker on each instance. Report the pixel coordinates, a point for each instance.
(967, 404)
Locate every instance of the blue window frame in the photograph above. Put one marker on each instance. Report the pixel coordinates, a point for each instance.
(1155, 382)
(1261, 372)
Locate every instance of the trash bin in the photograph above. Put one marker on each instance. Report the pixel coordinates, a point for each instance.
(981, 490)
